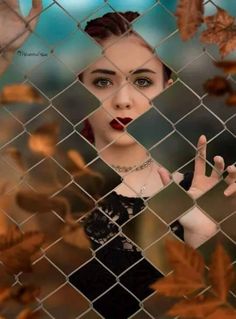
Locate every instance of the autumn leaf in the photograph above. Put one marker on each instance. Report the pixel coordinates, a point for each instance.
(222, 313)
(217, 86)
(228, 67)
(44, 139)
(199, 307)
(29, 314)
(5, 294)
(41, 202)
(221, 31)
(185, 260)
(221, 272)
(20, 93)
(25, 294)
(189, 17)
(231, 99)
(16, 157)
(16, 249)
(173, 285)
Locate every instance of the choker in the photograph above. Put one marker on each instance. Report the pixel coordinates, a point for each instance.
(129, 168)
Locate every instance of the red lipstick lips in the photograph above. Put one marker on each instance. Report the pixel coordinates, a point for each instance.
(117, 126)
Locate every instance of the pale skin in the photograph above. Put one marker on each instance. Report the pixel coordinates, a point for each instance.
(126, 93)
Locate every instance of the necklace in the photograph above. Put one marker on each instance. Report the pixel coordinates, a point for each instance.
(143, 187)
(129, 168)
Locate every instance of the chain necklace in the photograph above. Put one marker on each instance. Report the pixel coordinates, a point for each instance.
(143, 187)
(125, 169)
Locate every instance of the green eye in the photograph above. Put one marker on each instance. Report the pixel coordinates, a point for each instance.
(101, 82)
(143, 82)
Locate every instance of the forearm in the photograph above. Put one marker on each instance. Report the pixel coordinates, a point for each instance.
(5, 61)
(198, 227)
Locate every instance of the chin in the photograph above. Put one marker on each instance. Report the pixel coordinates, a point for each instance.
(124, 139)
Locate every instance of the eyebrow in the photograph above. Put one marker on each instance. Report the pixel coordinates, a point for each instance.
(106, 71)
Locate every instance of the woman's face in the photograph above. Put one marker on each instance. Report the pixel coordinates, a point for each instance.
(125, 80)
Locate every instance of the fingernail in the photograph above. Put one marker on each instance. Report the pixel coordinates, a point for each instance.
(226, 193)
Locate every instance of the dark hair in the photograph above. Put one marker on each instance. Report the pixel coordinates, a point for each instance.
(111, 23)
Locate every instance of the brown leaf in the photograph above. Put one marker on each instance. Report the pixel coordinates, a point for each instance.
(16, 249)
(172, 285)
(44, 139)
(25, 294)
(221, 31)
(41, 202)
(5, 294)
(16, 156)
(29, 314)
(231, 99)
(221, 272)
(222, 313)
(77, 159)
(217, 86)
(228, 67)
(189, 17)
(186, 261)
(199, 307)
(20, 93)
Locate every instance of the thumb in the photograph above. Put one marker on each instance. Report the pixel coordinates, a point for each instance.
(34, 13)
(165, 175)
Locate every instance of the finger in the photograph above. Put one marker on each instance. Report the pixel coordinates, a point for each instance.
(218, 167)
(165, 175)
(230, 190)
(34, 13)
(200, 160)
(231, 178)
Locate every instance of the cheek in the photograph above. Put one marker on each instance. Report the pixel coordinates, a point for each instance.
(98, 118)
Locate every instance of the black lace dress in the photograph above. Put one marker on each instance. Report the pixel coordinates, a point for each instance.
(95, 281)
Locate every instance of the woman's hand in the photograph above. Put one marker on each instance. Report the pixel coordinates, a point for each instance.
(202, 183)
(15, 28)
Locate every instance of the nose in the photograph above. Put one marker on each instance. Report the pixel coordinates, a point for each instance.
(123, 98)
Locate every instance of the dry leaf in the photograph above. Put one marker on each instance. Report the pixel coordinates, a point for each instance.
(41, 202)
(189, 17)
(199, 307)
(44, 139)
(25, 294)
(222, 313)
(172, 285)
(74, 234)
(231, 99)
(183, 257)
(228, 67)
(217, 86)
(221, 31)
(16, 249)
(20, 93)
(28, 314)
(221, 272)
(5, 294)
(16, 156)
(77, 159)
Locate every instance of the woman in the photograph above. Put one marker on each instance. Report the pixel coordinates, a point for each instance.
(125, 79)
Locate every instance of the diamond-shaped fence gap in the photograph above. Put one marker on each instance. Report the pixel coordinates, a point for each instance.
(70, 307)
(173, 152)
(185, 51)
(92, 314)
(193, 76)
(155, 25)
(74, 254)
(41, 267)
(155, 133)
(157, 256)
(206, 248)
(141, 315)
(75, 102)
(201, 122)
(216, 204)
(63, 25)
(51, 76)
(228, 226)
(145, 228)
(171, 106)
(12, 75)
(77, 51)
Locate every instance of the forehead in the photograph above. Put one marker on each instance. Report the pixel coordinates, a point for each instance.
(127, 54)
